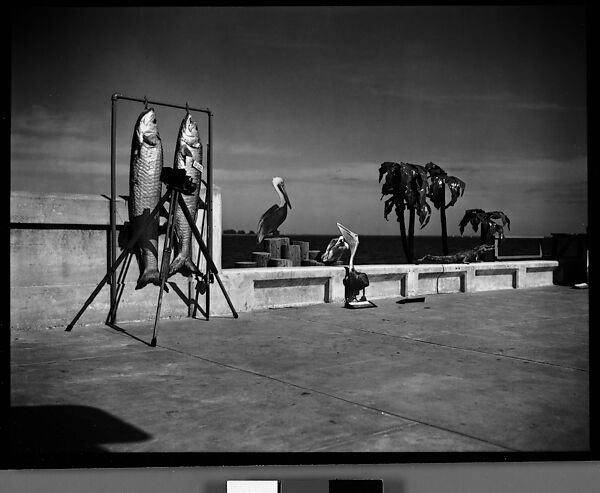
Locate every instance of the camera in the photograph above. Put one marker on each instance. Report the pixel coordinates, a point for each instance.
(179, 180)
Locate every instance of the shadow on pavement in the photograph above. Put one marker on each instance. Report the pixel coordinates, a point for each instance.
(49, 429)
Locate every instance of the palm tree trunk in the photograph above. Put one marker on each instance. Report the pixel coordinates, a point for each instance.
(403, 235)
(411, 235)
(443, 219)
(484, 231)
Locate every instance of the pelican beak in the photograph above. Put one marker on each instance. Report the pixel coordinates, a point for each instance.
(285, 195)
(350, 237)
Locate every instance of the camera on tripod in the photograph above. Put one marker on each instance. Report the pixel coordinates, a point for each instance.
(178, 180)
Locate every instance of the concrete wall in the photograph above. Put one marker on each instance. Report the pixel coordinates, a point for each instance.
(59, 254)
(251, 289)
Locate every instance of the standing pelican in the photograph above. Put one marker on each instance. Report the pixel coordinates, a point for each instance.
(272, 219)
(354, 281)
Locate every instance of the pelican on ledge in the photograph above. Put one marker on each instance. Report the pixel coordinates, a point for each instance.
(354, 281)
(335, 250)
(272, 219)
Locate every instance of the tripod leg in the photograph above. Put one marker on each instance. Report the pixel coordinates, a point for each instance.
(97, 290)
(166, 257)
(209, 262)
(115, 266)
(112, 314)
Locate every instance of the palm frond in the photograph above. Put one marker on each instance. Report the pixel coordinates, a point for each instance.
(434, 170)
(473, 216)
(500, 215)
(456, 187)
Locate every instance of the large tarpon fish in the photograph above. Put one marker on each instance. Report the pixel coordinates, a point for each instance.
(144, 193)
(188, 156)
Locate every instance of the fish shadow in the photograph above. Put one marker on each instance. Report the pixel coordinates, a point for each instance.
(43, 430)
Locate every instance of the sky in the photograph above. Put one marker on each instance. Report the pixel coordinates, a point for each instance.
(320, 96)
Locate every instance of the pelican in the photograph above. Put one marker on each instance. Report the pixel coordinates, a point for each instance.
(272, 219)
(336, 248)
(354, 281)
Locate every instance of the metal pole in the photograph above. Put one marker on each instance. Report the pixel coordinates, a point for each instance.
(166, 258)
(113, 198)
(209, 210)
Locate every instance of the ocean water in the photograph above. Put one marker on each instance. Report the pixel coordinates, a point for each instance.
(383, 249)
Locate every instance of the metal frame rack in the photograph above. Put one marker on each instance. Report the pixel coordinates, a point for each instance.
(113, 190)
(174, 195)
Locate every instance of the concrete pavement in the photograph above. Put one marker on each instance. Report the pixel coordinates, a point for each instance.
(489, 371)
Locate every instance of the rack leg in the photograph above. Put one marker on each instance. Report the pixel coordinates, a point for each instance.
(117, 262)
(164, 266)
(97, 290)
(112, 315)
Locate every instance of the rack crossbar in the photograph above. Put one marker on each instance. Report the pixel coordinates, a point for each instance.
(159, 103)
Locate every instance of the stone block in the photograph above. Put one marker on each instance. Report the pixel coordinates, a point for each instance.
(245, 265)
(261, 258)
(314, 254)
(304, 247)
(280, 262)
(291, 252)
(272, 246)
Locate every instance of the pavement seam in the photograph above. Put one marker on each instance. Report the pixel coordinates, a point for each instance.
(501, 355)
(412, 339)
(347, 401)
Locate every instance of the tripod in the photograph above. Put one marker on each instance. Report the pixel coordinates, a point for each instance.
(173, 194)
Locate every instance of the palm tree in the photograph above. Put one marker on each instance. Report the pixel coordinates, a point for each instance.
(489, 226)
(407, 185)
(439, 179)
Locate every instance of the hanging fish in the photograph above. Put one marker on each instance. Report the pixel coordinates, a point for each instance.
(188, 156)
(144, 193)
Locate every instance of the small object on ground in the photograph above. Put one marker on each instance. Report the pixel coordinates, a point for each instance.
(414, 299)
(581, 285)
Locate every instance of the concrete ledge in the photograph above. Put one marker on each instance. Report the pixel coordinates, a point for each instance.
(59, 247)
(252, 289)
(64, 208)
(58, 254)
(261, 288)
